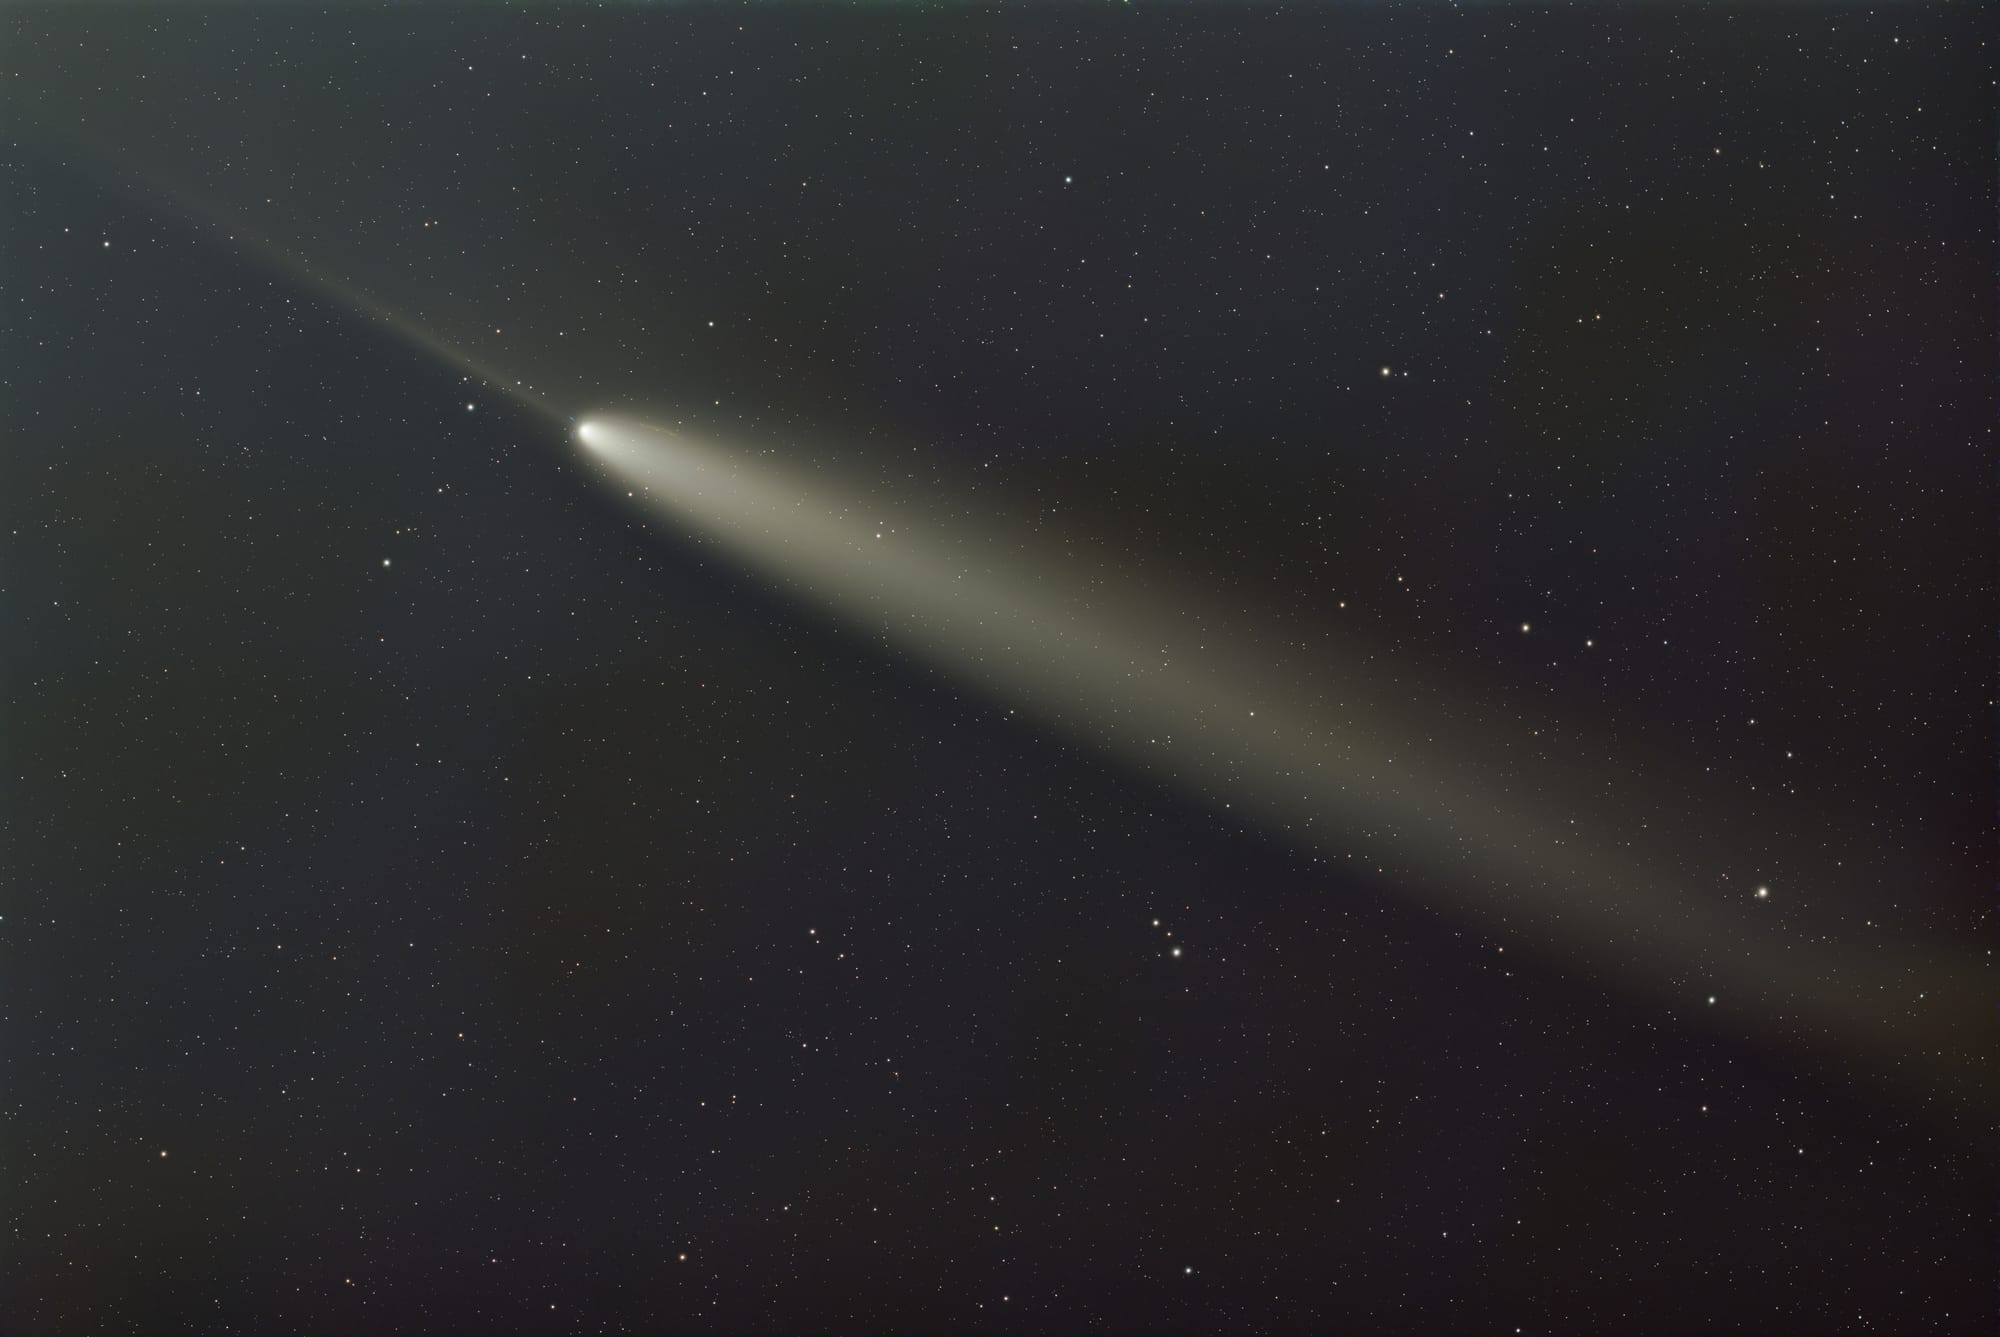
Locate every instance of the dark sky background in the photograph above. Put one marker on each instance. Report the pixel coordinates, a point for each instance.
(436, 900)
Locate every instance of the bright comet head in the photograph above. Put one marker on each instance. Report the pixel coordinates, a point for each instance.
(589, 433)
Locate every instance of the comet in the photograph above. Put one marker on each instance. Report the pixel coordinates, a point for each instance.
(1212, 703)
(1614, 881)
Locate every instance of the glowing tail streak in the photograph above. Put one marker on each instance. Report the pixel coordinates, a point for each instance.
(341, 294)
(1099, 663)
(88, 154)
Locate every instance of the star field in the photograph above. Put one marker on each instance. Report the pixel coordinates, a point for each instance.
(449, 889)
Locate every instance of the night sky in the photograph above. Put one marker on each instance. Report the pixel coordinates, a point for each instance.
(443, 893)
